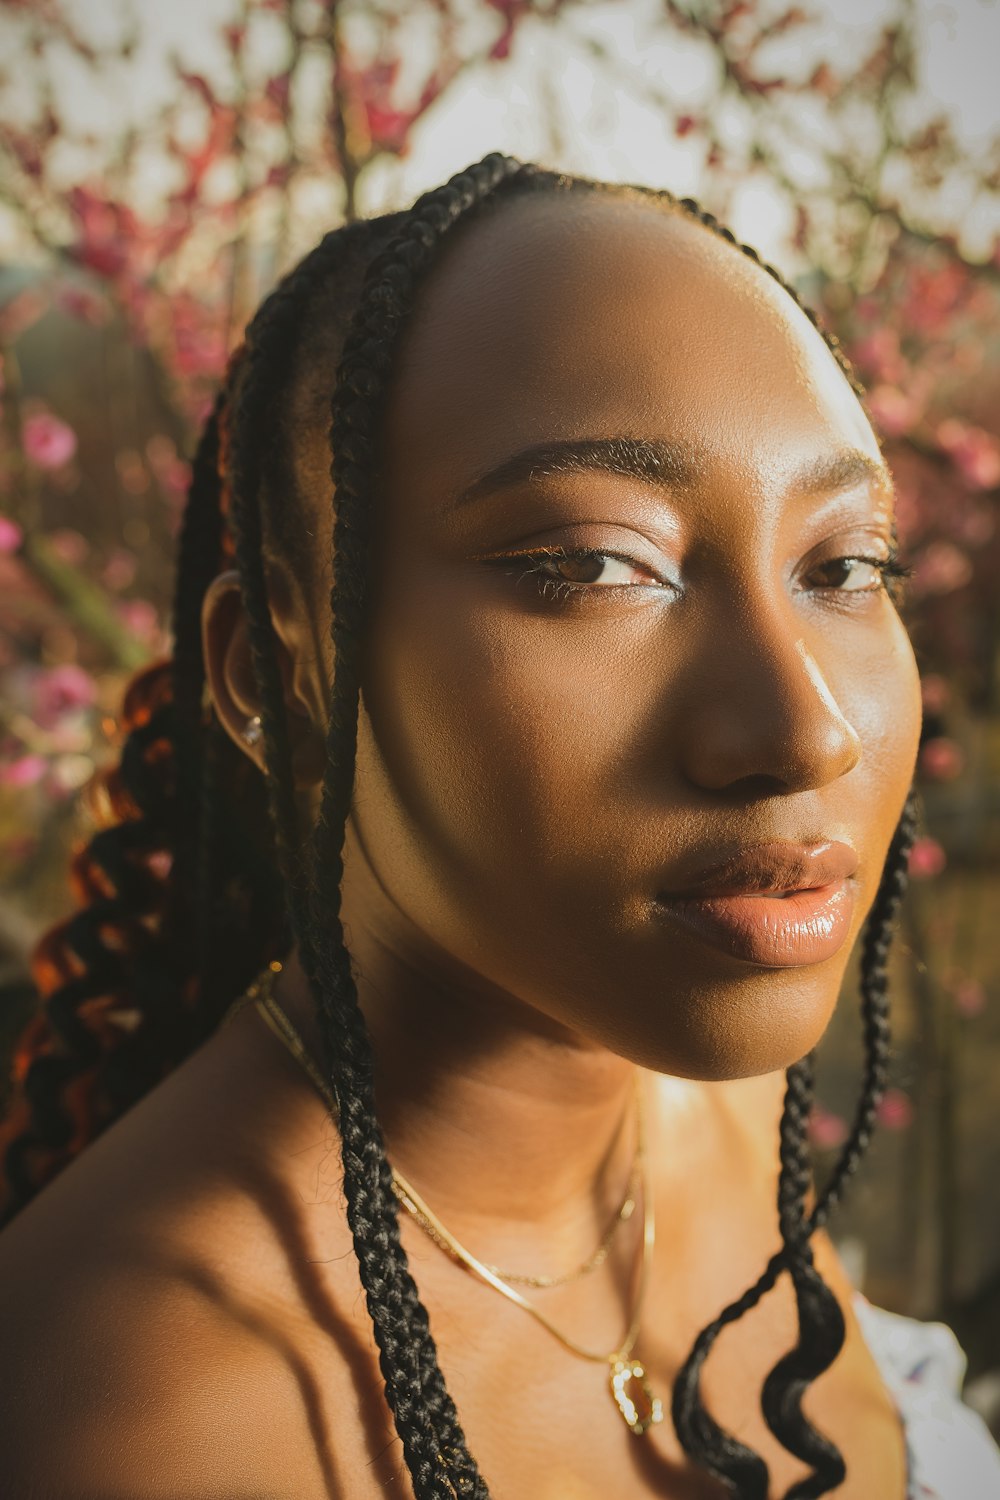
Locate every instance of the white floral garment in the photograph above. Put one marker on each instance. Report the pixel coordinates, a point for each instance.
(952, 1455)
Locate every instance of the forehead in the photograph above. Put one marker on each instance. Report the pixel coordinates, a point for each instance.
(586, 316)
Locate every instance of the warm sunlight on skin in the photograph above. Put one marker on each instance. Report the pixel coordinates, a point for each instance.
(630, 614)
(733, 689)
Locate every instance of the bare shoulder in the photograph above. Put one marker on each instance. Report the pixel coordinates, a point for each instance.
(154, 1303)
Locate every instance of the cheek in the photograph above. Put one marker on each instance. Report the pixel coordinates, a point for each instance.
(500, 731)
(882, 700)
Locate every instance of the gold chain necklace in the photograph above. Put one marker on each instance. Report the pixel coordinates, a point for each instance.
(632, 1394)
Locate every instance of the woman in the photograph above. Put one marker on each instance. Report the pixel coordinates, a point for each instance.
(614, 769)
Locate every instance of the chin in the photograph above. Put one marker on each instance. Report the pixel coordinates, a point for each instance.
(719, 1030)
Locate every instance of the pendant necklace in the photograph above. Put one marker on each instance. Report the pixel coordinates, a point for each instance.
(627, 1381)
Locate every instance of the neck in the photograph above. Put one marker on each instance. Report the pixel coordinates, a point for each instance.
(519, 1133)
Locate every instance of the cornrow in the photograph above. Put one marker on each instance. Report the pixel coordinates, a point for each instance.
(175, 783)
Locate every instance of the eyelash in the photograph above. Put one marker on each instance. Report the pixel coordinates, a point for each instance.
(892, 574)
(532, 564)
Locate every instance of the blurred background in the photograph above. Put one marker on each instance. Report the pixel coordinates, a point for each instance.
(161, 166)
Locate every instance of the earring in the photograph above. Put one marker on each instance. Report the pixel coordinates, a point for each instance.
(252, 731)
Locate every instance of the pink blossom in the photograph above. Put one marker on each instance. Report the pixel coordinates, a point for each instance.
(976, 529)
(132, 475)
(941, 758)
(11, 535)
(969, 996)
(20, 312)
(940, 569)
(896, 1110)
(935, 295)
(927, 859)
(61, 690)
(276, 91)
(879, 354)
(88, 306)
(48, 442)
(975, 453)
(173, 474)
(69, 546)
(24, 771)
(140, 617)
(826, 1130)
(935, 693)
(894, 412)
(106, 231)
(119, 570)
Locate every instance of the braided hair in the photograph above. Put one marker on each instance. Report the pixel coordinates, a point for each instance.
(206, 871)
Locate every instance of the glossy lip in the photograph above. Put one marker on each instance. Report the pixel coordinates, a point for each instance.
(778, 904)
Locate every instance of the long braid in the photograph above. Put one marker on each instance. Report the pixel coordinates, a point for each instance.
(424, 1414)
(700, 1435)
(821, 1320)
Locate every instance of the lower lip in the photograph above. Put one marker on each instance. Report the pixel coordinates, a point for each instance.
(778, 932)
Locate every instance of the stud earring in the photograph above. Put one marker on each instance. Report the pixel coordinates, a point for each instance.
(252, 731)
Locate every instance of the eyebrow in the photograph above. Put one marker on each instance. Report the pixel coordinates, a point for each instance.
(665, 465)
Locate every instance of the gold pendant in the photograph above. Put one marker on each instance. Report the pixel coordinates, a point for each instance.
(633, 1396)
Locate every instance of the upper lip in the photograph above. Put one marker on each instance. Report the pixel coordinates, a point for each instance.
(775, 866)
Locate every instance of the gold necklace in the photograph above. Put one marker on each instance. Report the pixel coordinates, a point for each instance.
(627, 1380)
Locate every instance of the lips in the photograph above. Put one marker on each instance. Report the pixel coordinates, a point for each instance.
(776, 905)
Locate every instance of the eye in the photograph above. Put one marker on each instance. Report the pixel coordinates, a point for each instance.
(864, 575)
(558, 571)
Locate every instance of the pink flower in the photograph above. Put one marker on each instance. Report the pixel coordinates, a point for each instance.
(879, 354)
(276, 91)
(140, 617)
(941, 759)
(11, 535)
(826, 1130)
(24, 771)
(173, 474)
(896, 1110)
(48, 442)
(975, 453)
(894, 412)
(969, 996)
(69, 546)
(119, 570)
(935, 693)
(941, 569)
(85, 305)
(60, 691)
(927, 859)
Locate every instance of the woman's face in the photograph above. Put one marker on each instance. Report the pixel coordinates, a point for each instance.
(549, 745)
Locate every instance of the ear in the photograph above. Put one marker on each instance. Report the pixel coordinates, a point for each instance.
(233, 685)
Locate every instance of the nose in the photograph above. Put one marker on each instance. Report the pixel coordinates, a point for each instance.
(760, 708)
